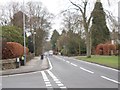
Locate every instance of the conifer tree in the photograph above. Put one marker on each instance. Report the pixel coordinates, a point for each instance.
(99, 30)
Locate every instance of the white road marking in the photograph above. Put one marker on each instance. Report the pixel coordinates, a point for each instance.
(110, 79)
(60, 84)
(49, 64)
(97, 65)
(57, 82)
(55, 79)
(62, 87)
(44, 75)
(73, 64)
(46, 80)
(67, 61)
(86, 70)
(47, 83)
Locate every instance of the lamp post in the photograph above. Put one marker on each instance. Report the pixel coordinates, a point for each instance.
(34, 40)
(24, 35)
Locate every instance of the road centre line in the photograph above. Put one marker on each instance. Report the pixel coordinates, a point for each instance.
(73, 64)
(86, 70)
(110, 79)
(67, 61)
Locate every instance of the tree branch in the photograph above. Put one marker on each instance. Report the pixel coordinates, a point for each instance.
(85, 5)
(89, 20)
(77, 6)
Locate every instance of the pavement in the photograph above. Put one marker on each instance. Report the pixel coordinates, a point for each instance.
(35, 64)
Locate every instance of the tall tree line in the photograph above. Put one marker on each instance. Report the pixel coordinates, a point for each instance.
(38, 20)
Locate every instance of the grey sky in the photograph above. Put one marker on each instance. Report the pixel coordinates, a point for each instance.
(55, 6)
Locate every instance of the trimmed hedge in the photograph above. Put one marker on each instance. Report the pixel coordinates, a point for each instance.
(13, 50)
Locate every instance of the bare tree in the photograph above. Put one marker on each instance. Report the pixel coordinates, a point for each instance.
(13, 7)
(86, 24)
(40, 22)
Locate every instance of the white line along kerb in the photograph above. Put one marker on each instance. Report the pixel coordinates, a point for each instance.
(110, 79)
(49, 64)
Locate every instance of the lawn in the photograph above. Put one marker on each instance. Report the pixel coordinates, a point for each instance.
(110, 61)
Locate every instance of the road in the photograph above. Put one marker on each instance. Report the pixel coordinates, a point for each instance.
(65, 73)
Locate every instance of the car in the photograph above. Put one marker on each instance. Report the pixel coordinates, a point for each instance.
(50, 53)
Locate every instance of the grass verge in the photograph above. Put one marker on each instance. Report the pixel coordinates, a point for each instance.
(110, 61)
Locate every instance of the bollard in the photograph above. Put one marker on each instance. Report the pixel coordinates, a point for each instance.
(42, 57)
(17, 62)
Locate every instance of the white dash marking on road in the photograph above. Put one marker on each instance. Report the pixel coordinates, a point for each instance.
(55, 79)
(62, 87)
(57, 82)
(86, 70)
(46, 80)
(47, 83)
(74, 64)
(67, 61)
(60, 84)
(110, 79)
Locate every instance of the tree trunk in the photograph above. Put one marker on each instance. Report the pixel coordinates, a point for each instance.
(88, 44)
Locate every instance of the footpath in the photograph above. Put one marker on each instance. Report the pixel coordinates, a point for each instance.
(35, 64)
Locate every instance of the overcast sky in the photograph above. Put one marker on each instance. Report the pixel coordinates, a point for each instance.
(55, 6)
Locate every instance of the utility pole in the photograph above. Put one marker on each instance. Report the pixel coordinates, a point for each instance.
(24, 35)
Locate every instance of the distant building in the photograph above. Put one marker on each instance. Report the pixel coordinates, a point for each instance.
(18, 19)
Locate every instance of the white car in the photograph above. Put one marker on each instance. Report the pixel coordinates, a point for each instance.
(50, 52)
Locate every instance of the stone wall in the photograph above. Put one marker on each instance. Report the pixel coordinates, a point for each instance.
(8, 64)
(11, 63)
